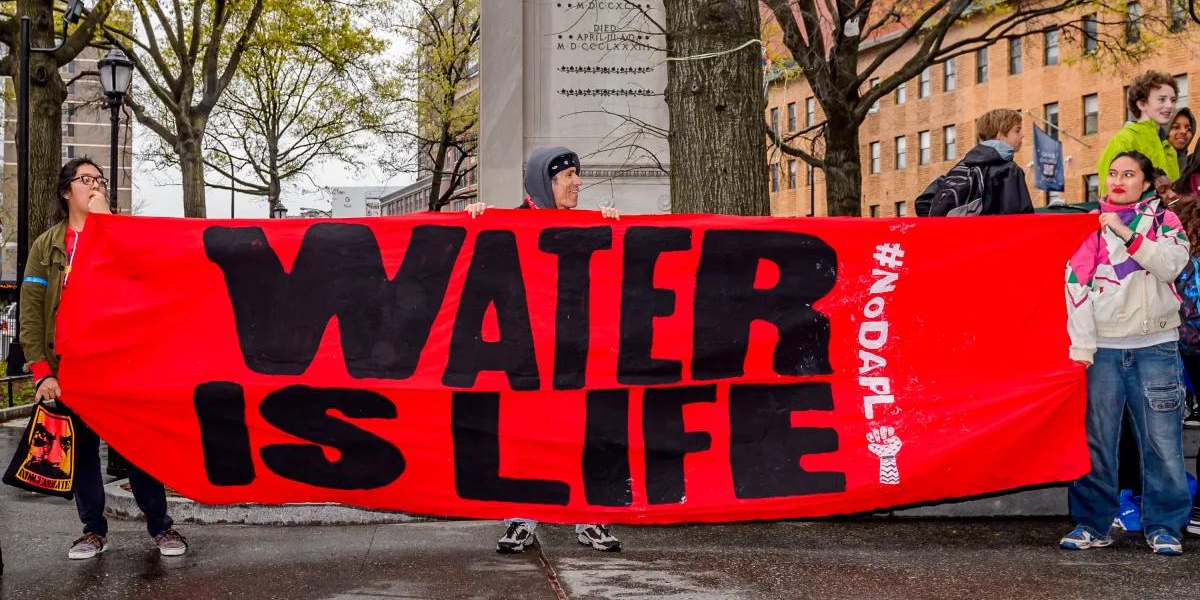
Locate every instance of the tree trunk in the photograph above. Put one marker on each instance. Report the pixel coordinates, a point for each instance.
(717, 109)
(436, 175)
(191, 162)
(274, 193)
(843, 169)
(46, 96)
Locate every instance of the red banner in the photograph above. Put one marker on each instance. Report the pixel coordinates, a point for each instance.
(558, 366)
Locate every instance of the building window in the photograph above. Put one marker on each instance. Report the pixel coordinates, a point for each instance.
(925, 83)
(1091, 183)
(791, 116)
(1181, 100)
(1050, 114)
(774, 178)
(71, 68)
(901, 209)
(902, 93)
(68, 152)
(1124, 100)
(874, 211)
(1051, 48)
(791, 174)
(1014, 56)
(874, 157)
(875, 105)
(949, 75)
(71, 89)
(1133, 25)
(1091, 114)
(810, 112)
(981, 65)
(775, 120)
(949, 143)
(1179, 15)
(1091, 34)
(901, 152)
(925, 144)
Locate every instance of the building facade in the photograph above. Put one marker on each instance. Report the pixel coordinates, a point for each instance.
(921, 130)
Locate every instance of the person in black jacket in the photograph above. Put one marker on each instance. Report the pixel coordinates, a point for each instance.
(989, 164)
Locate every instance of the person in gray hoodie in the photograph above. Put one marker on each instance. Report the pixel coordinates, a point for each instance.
(552, 181)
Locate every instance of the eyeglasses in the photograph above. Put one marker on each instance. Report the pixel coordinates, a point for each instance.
(90, 180)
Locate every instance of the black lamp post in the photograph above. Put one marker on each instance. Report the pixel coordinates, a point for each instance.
(279, 211)
(116, 71)
(73, 13)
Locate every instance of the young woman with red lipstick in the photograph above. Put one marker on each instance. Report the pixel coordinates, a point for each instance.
(1123, 320)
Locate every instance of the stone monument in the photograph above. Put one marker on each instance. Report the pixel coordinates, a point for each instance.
(585, 74)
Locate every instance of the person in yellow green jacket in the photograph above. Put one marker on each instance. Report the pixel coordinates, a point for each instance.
(1151, 101)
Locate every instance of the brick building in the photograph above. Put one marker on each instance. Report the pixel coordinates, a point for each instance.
(924, 127)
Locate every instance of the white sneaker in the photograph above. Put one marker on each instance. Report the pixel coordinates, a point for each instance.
(515, 539)
(600, 538)
(88, 546)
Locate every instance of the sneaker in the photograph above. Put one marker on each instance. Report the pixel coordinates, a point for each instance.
(600, 538)
(515, 538)
(1082, 538)
(1192, 419)
(1193, 525)
(170, 543)
(1165, 544)
(88, 546)
(1129, 514)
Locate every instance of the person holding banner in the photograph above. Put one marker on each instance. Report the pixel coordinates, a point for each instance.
(552, 181)
(81, 188)
(1151, 101)
(1123, 320)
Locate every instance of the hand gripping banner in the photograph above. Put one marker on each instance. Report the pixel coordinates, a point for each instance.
(559, 366)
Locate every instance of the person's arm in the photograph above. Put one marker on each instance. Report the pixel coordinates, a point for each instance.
(33, 321)
(1166, 256)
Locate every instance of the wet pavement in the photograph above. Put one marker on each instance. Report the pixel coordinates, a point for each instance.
(861, 558)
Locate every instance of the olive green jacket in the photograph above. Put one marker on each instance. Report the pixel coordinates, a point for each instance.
(40, 292)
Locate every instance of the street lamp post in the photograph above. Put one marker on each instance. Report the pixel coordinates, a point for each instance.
(279, 211)
(72, 15)
(116, 71)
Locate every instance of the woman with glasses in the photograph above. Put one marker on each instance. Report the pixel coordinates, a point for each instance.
(81, 191)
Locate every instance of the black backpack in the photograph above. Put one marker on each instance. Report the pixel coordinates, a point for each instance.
(958, 193)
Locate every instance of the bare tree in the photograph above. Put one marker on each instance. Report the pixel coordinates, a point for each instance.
(439, 95)
(186, 53)
(296, 101)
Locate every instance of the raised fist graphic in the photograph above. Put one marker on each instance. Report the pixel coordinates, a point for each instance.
(882, 442)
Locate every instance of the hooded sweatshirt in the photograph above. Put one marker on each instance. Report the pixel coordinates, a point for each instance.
(1182, 156)
(1144, 137)
(537, 176)
(1005, 191)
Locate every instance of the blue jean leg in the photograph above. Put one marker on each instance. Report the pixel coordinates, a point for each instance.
(1093, 498)
(1156, 394)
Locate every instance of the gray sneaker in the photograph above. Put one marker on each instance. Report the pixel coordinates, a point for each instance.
(170, 543)
(88, 546)
(600, 538)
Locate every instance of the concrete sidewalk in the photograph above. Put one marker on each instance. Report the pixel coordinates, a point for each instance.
(856, 558)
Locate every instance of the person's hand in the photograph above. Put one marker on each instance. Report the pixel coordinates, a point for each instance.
(1113, 222)
(49, 390)
(476, 209)
(610, 212)
(1083, 363)
(98, 202)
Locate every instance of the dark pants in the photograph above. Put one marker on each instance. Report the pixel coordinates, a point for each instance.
(150, 495)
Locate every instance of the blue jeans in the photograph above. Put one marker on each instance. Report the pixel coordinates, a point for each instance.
(1147, 380)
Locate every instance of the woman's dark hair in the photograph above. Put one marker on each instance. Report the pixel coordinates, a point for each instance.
(1149, 172)
(1182, 185)
(66, 175)
(1187, 209)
